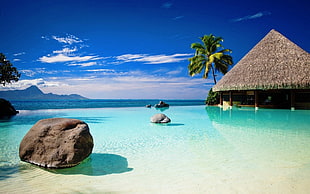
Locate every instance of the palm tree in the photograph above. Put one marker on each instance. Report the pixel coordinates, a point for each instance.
(208, 57)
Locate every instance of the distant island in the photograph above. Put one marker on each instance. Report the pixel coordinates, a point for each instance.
(34, 93)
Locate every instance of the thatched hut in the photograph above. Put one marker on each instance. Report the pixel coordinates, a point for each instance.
(274, 73)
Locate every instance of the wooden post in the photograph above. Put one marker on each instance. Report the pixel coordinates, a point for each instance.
(221, 99)
(230, 99)
(256, 99)
(292, 100)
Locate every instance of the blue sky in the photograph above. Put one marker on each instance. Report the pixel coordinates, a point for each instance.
(134, 49)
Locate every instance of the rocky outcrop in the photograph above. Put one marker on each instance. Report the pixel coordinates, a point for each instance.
(6, 109)
(161, 104)
(56, 143)
(160, 118)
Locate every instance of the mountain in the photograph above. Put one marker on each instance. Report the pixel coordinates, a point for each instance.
(34, 93)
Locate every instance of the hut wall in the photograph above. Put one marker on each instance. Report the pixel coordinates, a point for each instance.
(302, 99)
(270, 98)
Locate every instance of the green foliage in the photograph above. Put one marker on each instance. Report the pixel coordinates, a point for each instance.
(213, 98)
(8, 73)
(208, 57)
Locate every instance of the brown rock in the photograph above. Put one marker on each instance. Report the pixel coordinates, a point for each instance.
(56, 143)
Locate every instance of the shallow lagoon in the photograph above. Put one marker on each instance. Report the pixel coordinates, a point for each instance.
(203, 150)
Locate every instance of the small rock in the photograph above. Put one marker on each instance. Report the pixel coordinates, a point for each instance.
(161, 104)
(160, 118)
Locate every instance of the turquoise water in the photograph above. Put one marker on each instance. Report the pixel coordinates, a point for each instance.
(97, 103)
(203, 150)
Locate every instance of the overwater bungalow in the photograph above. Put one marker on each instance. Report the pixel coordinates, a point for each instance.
(275, 73)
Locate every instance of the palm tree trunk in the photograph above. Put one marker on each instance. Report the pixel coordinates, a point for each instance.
(213, 73)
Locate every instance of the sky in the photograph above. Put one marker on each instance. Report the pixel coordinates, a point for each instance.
(134, 49)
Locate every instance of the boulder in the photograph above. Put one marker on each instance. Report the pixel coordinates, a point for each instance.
(160, 118)
(56, 143)
(6, 109)
(161, 104)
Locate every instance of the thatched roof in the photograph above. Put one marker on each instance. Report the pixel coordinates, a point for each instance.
(274, 63)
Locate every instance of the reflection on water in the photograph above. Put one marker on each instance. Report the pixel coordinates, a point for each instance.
(97, 165)
(270, 141)
(92, 119)
(162, 109)
(261, 119)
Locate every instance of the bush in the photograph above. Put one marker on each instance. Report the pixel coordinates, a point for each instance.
(213, 98)
(8, 73)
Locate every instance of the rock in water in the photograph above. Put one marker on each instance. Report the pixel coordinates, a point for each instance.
(161, 104)
(6, 109)
(160, 118)
(56, 143)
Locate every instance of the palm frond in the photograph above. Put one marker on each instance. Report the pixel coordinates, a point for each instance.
(217, 55)
(225, 51)
(197, 46)
(196, 65)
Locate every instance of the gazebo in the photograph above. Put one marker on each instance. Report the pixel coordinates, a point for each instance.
(275, 73)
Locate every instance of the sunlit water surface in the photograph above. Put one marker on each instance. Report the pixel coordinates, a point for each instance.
(203, 150)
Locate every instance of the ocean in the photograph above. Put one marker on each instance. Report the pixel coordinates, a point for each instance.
(97, 103)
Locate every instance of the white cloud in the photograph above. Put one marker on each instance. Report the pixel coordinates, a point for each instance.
(65, 51)
(153, 59)
(130, 57)
(169, 71)
(18, 54)
(258, 15)
(134, 87)
(65, 58)
(100, 70)
(35, 71)
(178, 17)
(28, 72)
(250, 17)
(40, 82)
(106, 72)
(175, 72)
(167, 5)
(109, 83)
(69, 52)
(90, 78)
(84, 64)
(69, 39)
(45, 37)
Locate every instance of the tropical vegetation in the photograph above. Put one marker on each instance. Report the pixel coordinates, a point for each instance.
(8, 73)
(213, 98)
(208, 56)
